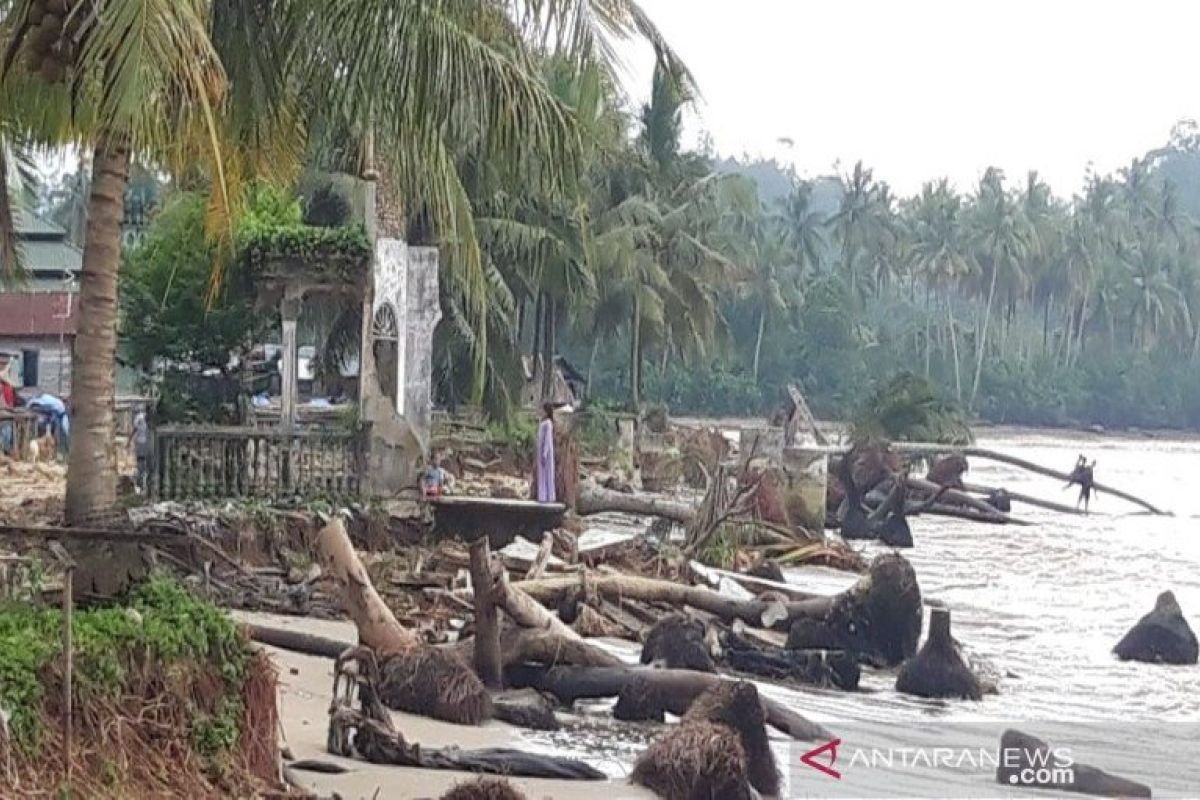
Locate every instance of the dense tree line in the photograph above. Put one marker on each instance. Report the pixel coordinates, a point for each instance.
(1022, 306)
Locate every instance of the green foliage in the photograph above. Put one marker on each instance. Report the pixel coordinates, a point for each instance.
(518, 434)
(171, 627)
(166, 311)
(217, 734)
(333, 252)
(908, 408)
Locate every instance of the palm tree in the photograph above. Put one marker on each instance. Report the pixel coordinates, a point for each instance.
(803, 227)
(938, 251)
(771, 269)
(142, 78)
(1004, 240)
(851, 222)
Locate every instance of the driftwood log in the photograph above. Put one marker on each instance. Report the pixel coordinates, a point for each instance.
(594, 499)
(487, 624)
(1026, 761)
(675, 689)
(368, 733)
(878, 618)
(829, 668)
(1004, 458)
(517, 645)
(377, 626)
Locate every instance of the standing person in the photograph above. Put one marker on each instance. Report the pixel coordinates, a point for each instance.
(8, 399)
(1086, 481)
(1084, 475)
(141, 450)
(544, 457)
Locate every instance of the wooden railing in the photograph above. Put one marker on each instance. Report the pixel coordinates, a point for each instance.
(195, 462)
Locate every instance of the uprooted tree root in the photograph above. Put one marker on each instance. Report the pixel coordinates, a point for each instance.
(146, 723)
(434, 683)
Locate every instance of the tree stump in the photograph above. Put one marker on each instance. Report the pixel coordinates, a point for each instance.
(939, 670)
(1162, 636)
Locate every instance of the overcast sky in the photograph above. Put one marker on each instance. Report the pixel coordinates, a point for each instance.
(926, 88)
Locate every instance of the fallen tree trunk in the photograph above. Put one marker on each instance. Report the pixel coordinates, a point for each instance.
(1003, 458)
(517, 645)
(619, 588)
(958, 512)
(675, 689)
(595, 499)
(955, 497)
(878, 617)
(1028, 500)
(528, 613)
(487, 624)
(297, 642)
(538, 567)
(377, 626)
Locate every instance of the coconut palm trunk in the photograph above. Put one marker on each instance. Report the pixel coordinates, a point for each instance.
(954, 351)
(983, 333)
(92, 469)
(762, 326)
(548, 344)
(635, 356)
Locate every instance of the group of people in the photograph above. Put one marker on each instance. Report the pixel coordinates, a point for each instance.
(54, 421)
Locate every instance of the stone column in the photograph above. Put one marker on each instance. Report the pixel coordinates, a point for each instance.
(289, 311)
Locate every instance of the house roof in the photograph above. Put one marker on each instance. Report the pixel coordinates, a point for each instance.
(31, 226)
(38, 314)
(44, 247)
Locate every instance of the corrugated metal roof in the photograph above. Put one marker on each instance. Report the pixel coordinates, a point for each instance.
(38, 313)
(44, 246)
(31, 226)
(51, 255)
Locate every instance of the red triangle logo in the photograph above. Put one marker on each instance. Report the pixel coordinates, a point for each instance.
(831, 747)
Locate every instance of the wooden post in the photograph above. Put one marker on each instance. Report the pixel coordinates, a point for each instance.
(487, 623)
(68, 603)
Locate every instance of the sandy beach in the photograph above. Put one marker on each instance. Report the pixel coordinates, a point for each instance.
(305, 689)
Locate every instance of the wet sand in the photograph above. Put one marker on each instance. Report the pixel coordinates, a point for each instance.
(306, 687)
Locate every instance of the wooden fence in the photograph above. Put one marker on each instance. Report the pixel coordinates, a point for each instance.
(191, 462)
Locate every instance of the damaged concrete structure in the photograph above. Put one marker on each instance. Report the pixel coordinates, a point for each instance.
(401, 309)
(385, 453)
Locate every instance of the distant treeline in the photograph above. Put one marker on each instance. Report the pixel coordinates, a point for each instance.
(1023, 306)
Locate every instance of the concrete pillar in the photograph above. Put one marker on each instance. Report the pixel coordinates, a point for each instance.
(289, 311)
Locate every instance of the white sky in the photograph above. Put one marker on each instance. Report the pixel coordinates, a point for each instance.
(921, 89)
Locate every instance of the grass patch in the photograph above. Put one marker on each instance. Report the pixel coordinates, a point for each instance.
(160, 624)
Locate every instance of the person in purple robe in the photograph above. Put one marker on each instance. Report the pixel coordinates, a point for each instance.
(544, 461)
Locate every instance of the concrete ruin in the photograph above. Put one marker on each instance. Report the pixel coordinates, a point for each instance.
(400, 313)
(398, 289)
(401, 309)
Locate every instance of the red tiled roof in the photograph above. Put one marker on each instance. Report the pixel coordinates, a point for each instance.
(38, 313)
